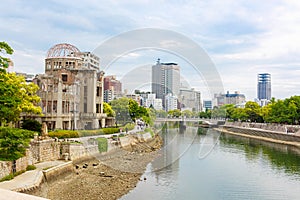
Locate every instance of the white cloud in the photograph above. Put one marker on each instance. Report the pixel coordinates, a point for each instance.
(242, 37)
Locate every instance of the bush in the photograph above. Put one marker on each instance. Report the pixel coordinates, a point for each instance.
(7, 178)
(111, 130)
(11, 176)
(102, 144)
(13, 142)
(30, 167)
(32, 125)
(64, 134)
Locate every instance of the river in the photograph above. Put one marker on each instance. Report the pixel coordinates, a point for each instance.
(212, 165)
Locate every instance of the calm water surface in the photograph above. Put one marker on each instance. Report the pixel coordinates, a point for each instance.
(219, 166)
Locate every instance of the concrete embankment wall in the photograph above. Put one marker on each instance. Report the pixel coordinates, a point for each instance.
(55, 172)
(279, 136)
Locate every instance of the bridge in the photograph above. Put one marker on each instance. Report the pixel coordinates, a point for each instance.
(182, 119)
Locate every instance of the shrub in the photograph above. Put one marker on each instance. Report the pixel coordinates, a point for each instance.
(30, 167)
(13, 142)
(7, 178)
(32, 125)
(64, 134)
(11, 176)
(111, 130)
(102, 144)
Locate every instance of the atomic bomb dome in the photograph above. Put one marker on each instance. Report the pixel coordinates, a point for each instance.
(63, 50)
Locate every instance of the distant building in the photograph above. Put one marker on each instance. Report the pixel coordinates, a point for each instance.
(90, 61)
(207, 105)
(28, 77)
(222, 99)
(189, 99)
(264, 86)
(165, 79)
(108, 96)
(171, 102)
(152, 101)
(112, 88)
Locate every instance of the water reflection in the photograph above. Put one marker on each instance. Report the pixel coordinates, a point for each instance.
(236, 168)
(280, 157)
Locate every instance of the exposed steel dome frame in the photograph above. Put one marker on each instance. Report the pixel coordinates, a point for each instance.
(63, 50)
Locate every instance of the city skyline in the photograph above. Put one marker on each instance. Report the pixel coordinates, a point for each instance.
(243, 39)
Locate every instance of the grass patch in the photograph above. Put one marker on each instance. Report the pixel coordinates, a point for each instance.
(30, 167)
(11, 176)
(102, 144)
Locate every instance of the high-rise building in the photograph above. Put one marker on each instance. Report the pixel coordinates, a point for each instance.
(165, 79)
(112, 87)
(264, 86)
(207, 104)
(190, 99)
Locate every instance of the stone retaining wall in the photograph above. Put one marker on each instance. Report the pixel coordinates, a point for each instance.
(264, 133)
(78, 151)
(45, 150)
(6, 167)
(267, 126)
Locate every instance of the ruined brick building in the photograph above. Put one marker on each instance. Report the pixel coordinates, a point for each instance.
(71, 89)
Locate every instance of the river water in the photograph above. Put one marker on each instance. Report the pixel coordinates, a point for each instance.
(212, 165)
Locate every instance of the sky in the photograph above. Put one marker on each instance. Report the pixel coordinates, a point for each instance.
(242, 38)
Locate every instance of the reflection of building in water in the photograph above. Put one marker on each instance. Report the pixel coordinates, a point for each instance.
(71, 89)
(168, 159)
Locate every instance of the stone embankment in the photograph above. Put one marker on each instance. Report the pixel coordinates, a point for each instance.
(107, 176)
(268, 132)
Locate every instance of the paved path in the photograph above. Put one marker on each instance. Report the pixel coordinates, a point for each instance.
(29, 178)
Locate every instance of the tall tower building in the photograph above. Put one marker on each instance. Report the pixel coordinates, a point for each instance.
(165, 79)
(264, 86)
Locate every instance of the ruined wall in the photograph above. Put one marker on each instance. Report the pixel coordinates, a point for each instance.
(45, 150)
(5, 168)
(77, 151)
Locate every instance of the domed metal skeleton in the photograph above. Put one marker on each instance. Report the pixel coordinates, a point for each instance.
(62, 51)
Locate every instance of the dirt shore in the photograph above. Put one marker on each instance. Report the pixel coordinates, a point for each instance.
(108, 176)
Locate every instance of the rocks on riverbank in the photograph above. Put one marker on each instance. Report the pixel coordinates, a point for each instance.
(108, 176)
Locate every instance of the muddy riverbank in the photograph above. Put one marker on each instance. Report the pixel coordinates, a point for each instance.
(107, 176)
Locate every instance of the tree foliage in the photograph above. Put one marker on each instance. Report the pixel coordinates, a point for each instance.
(4, 49)
(108, 110)
(174, 113)
(285, 111)
(32, 125)
(13, 142)
(128, 110)
(16, 97)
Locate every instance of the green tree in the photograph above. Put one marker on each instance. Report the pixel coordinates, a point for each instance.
(121, 108)
(253, 111)
(174, 113)
(187, 113)
(16, 97)
(107, 109)
(239, 114)
(4, 49)
(13, 142)
(32, 125)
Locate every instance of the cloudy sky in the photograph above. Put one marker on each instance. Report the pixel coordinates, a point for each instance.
(242, 38)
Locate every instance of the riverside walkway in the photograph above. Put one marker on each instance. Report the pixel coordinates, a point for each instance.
(29, 179)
